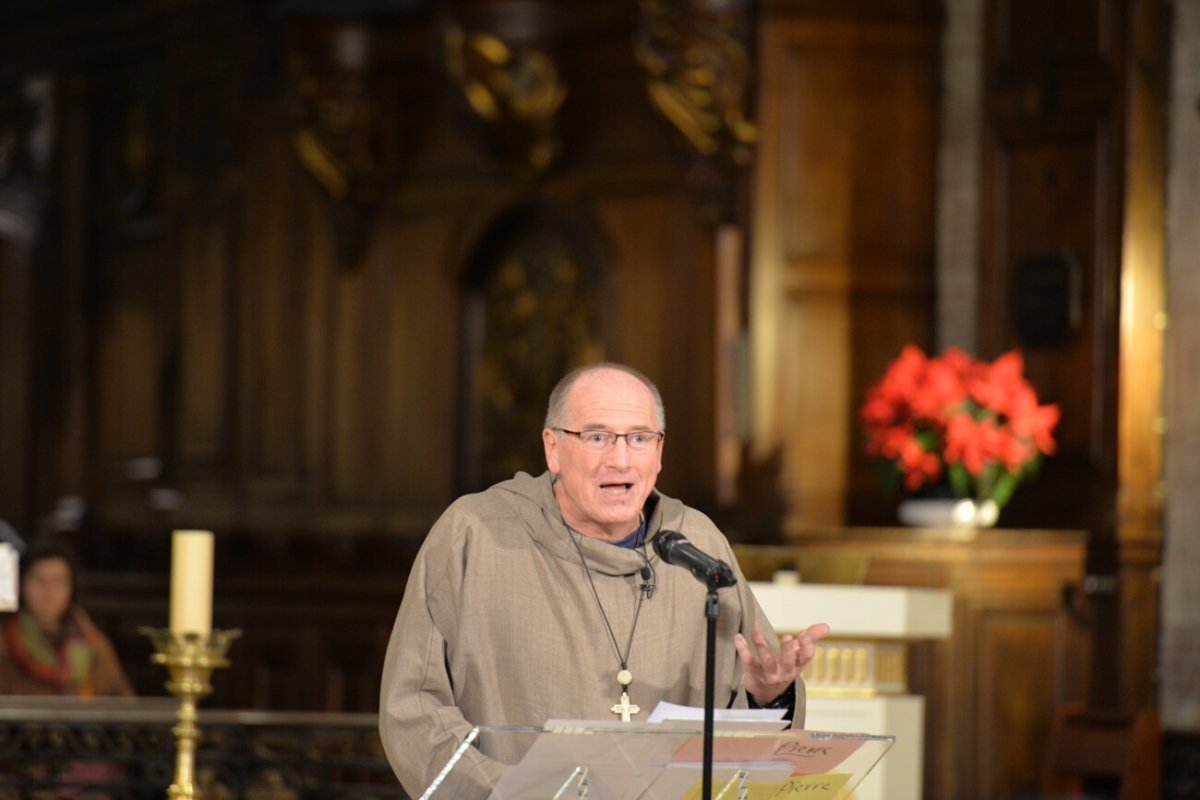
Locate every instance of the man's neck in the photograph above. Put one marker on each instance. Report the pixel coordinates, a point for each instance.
(593, 532)
(617, 533)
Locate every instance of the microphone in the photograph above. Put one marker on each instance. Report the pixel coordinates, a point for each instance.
(648, 586)
(673, 548)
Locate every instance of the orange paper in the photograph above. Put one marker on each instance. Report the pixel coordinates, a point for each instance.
(807, 756)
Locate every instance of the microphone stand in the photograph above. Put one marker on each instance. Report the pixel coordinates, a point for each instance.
(673, 548)
(711, 608)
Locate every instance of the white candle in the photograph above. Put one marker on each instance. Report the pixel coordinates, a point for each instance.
(191, 582)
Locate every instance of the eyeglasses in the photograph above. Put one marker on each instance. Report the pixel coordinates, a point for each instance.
(599, 441)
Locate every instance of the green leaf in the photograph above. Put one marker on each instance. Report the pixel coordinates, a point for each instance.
(960, 480)
(929, 439)
(987, 481)
(1004, 488)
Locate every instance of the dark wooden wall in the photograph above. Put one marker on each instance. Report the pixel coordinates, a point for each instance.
(203, 356)
(204, 336)
(1072, 187)
(1053, 202)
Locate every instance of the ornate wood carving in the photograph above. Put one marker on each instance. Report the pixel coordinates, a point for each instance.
(699, 77)
(509, 95)
(340, 137)
(533, 306)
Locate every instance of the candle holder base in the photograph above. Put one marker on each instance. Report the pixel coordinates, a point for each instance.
(190, 659)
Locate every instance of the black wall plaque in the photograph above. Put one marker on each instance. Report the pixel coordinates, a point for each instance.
(1046, 303)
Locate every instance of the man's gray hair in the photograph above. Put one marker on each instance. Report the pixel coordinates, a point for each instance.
(556, 409)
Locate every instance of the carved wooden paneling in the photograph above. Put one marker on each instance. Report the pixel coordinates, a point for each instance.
(1053, 182)
(1014, 694)
(206, 312)
(843, 239)
(131, 283)
(274, 668)
(1072, 229)
(1080, 34)
(989, 689)
(239, 373)
(15, 445)
(352, 666)
(130, 351)
(306, 645)
(206, 114)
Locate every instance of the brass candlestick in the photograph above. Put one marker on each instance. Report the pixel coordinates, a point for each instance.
(190, 659)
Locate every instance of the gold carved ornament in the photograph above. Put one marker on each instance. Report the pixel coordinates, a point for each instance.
(339, 141)
(698, 77)
(512, 94)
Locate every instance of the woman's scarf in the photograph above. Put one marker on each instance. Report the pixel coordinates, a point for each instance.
(66, 668)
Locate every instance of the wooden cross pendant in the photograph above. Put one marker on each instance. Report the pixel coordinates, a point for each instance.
(625, 708)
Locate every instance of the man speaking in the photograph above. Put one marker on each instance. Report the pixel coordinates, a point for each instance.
(546, 598)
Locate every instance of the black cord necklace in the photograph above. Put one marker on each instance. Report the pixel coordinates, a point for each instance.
(624, 677)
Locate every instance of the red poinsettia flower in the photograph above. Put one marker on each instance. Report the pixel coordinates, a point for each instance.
(976, 423)
(920, 466)
(967, 442)
(1032, 421)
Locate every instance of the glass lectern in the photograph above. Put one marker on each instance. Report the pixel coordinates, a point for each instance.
(567, 760)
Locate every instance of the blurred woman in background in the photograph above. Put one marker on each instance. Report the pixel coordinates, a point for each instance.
(50, 646)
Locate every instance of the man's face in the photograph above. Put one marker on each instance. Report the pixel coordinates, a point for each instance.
(602, 493)
(47, 591)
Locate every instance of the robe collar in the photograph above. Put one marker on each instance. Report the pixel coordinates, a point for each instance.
(544, 523)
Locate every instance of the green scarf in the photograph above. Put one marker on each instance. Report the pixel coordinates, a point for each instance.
(67, 668)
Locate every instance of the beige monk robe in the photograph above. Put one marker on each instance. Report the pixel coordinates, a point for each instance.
(499, 626)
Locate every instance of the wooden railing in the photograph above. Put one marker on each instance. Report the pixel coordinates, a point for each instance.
(125, 750)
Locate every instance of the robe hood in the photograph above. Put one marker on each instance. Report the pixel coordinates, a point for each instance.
(532, 499)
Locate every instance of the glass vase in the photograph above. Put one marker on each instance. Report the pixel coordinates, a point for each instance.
(947, 512)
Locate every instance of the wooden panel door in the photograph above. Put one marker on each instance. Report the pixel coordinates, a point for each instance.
(842, 263)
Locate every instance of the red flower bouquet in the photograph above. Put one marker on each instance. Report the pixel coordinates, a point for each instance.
(972, 424)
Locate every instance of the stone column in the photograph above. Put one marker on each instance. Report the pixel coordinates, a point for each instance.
(1180, 698)
(958, 179)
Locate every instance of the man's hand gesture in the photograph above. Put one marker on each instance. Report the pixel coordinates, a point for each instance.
(768, 672)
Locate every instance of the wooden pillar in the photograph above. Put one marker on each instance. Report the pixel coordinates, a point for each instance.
(1140, 424)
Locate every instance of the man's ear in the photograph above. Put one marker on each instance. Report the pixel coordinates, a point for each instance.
(550, 445)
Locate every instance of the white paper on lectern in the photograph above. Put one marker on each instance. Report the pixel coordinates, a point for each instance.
(669, 712)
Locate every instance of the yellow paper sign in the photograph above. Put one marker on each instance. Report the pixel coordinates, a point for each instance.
(827, 786)
(814, 787)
